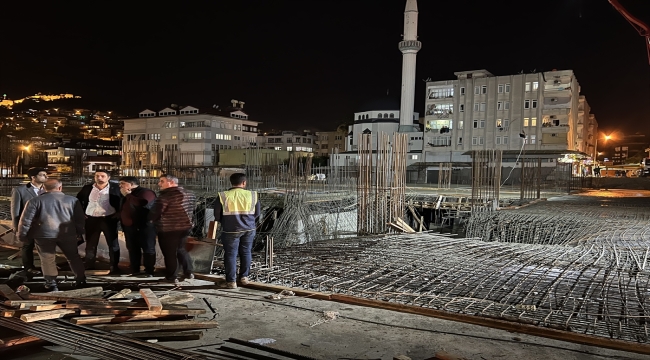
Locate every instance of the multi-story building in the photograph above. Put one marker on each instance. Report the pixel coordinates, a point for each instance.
(84, 156)
(537, 112)
(178, 137)
(628, 149)
(330, 141)
(586, 129)
(288, 141)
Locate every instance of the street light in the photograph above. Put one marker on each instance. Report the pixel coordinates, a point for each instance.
(22, 158)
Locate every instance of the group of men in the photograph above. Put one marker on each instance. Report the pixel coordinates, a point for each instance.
(44, 217)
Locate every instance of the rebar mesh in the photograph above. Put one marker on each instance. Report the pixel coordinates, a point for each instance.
(572, 264)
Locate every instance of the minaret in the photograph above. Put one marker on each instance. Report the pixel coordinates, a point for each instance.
(409, 46)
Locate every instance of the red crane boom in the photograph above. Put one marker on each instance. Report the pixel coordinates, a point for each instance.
(639, 25)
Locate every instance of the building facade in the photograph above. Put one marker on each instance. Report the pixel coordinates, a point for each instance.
(478, 111)
(330, 142)
(184, 137)
(288, 141)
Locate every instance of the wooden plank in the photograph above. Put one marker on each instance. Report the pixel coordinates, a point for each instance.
(100, 301)
(152, 300)
(132, 312)
(114, 319)
(47, 307)
(168, 336)
(535, 330)
(8, 293)
(212, 230)
(46, 315)
(120, 295)
(65, 295)
(161, 325)
(7, 343)
(14, 256)
(18, 303)
(87, 272)
(27, 306)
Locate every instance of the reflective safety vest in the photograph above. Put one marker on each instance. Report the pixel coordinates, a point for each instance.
(238, 202)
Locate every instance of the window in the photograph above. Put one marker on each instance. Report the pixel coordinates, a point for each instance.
(193, 135)
(460, 125)
(528, 87)
(170, 124)
(289, 148)
(460, 141)
(497, 140)
(505, 140)
(481, 141)
(506, 122)
(436, 93)
(392, 115)
(413, 157)
(526, 104)
(500, 87)
(229, 137)
(462, 90)
(153, 136)
(499, 105)
(530, 139)
(440, 141)
(483, 89)
(535, 85)
(462, 107)
(474, 140)
(482, 124)
(441, 111)
(534, 104)
(477, 90)
(526, 121)
(476, 106)
(174, 137)
(482, 106)
(475, 124)
(499, 123)
(506, 105)
(507, 88)
(379, 116)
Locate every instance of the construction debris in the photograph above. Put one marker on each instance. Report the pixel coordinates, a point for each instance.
(281, 295)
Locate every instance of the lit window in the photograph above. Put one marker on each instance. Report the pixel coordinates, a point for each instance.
(526, 121)
(528, 87)
(535, 85)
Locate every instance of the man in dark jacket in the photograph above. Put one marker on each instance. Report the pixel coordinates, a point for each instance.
(101, 203)
(54, 219)
(19, 197)
(139, 232)
(237, 210)
(173, 216)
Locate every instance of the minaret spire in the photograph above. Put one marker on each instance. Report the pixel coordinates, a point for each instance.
(409, 46)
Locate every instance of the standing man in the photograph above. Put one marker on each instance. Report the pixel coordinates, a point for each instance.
(173, 214)
(19, 197)
(237, 210)
(54, 219)
(139, 232)
(100, 202)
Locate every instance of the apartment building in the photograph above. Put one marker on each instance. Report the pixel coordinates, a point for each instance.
(586, 129)
(329, 142)
(178, 137)
(288, 141)
(537, 112)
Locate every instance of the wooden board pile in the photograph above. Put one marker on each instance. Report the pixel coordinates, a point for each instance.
(120, 311)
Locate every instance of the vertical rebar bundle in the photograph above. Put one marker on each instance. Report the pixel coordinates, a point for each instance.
(486, 179)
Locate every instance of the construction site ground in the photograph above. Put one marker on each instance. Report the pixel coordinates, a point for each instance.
(296, 324)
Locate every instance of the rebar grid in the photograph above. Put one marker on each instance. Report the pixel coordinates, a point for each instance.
(580, 288)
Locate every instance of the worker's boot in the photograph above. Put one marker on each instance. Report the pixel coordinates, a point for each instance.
(50, 284)
(149, 261)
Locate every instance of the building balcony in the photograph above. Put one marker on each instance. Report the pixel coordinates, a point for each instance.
(551, 128)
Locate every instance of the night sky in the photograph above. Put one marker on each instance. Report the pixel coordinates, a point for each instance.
(310, 64)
